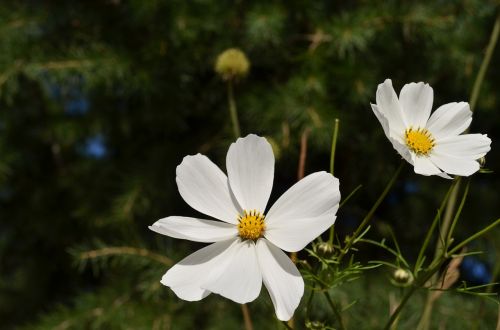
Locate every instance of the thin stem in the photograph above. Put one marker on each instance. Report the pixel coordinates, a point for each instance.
(476, 88)
(233, 112)
(433, 269)
(403, 302)
(489, 289)
(332, 164)
(332, 228)
(125, 250)
(498, 319)
(350, 195)
(420, 257)
(484, 65)
(441, 246)
(246, 317)
(427, 313)
(473, 237)
(457, 215)
(334, 144)
(300, 174)
(334, 309)
(309, 302)
(370, 213)
(448, 214)
(303, 154)
(375, 206)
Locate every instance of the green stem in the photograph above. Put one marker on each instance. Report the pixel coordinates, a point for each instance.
(436, 264)
(425, 319)
(334, 309)
(408, 295)
(448, 214)
(457, 215)
(309, 302)
(375, 206)
(334, 144)
(350, 195)
(473, 237)
(428, 236)
(332, 228)
(370, 213)
(476, 88)
(233, 112)
(332, 163)
(484, 65)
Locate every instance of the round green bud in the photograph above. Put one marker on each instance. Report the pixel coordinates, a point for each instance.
(315, 325)
(403, 277)
(232, 64)
(325, 249)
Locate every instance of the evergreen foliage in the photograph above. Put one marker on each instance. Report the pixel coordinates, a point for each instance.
(101, 100)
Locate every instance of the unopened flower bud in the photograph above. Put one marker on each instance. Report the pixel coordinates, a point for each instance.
(232, 64)
(403, 277)
(325, 249)
(315, 325)
(304, 264)
(482, 161)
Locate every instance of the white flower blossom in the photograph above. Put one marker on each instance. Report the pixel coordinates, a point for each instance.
(246, 243)
(433, 144)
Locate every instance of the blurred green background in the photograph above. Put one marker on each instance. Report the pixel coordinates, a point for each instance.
(101, 100)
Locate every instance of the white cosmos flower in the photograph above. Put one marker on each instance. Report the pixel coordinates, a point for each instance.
(431, 143)
(246, 249)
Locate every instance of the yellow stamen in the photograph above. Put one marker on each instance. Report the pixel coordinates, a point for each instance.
(419, 140)
(251, 224)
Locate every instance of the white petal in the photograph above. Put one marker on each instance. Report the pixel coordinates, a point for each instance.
(383, 121)
(402, 149)
(303, 212)
(396, 138)
(454, 165)
(239, 277)
(471, 146)
(450, 119)
(416, 102)
(281, 278)
(250, 168)
(295, 235)
(388, 105)
(205, 188)
(185, 277)
(312, 196)
(424, 166)
(198, 230)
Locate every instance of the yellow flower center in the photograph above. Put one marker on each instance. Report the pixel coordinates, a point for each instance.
(419, 140)
(251, 224)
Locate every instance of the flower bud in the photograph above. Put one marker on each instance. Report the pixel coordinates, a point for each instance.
(482, 161)
(304, 263)
(232, 64)
(402, 277)
(315, 325)
(325, 249)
